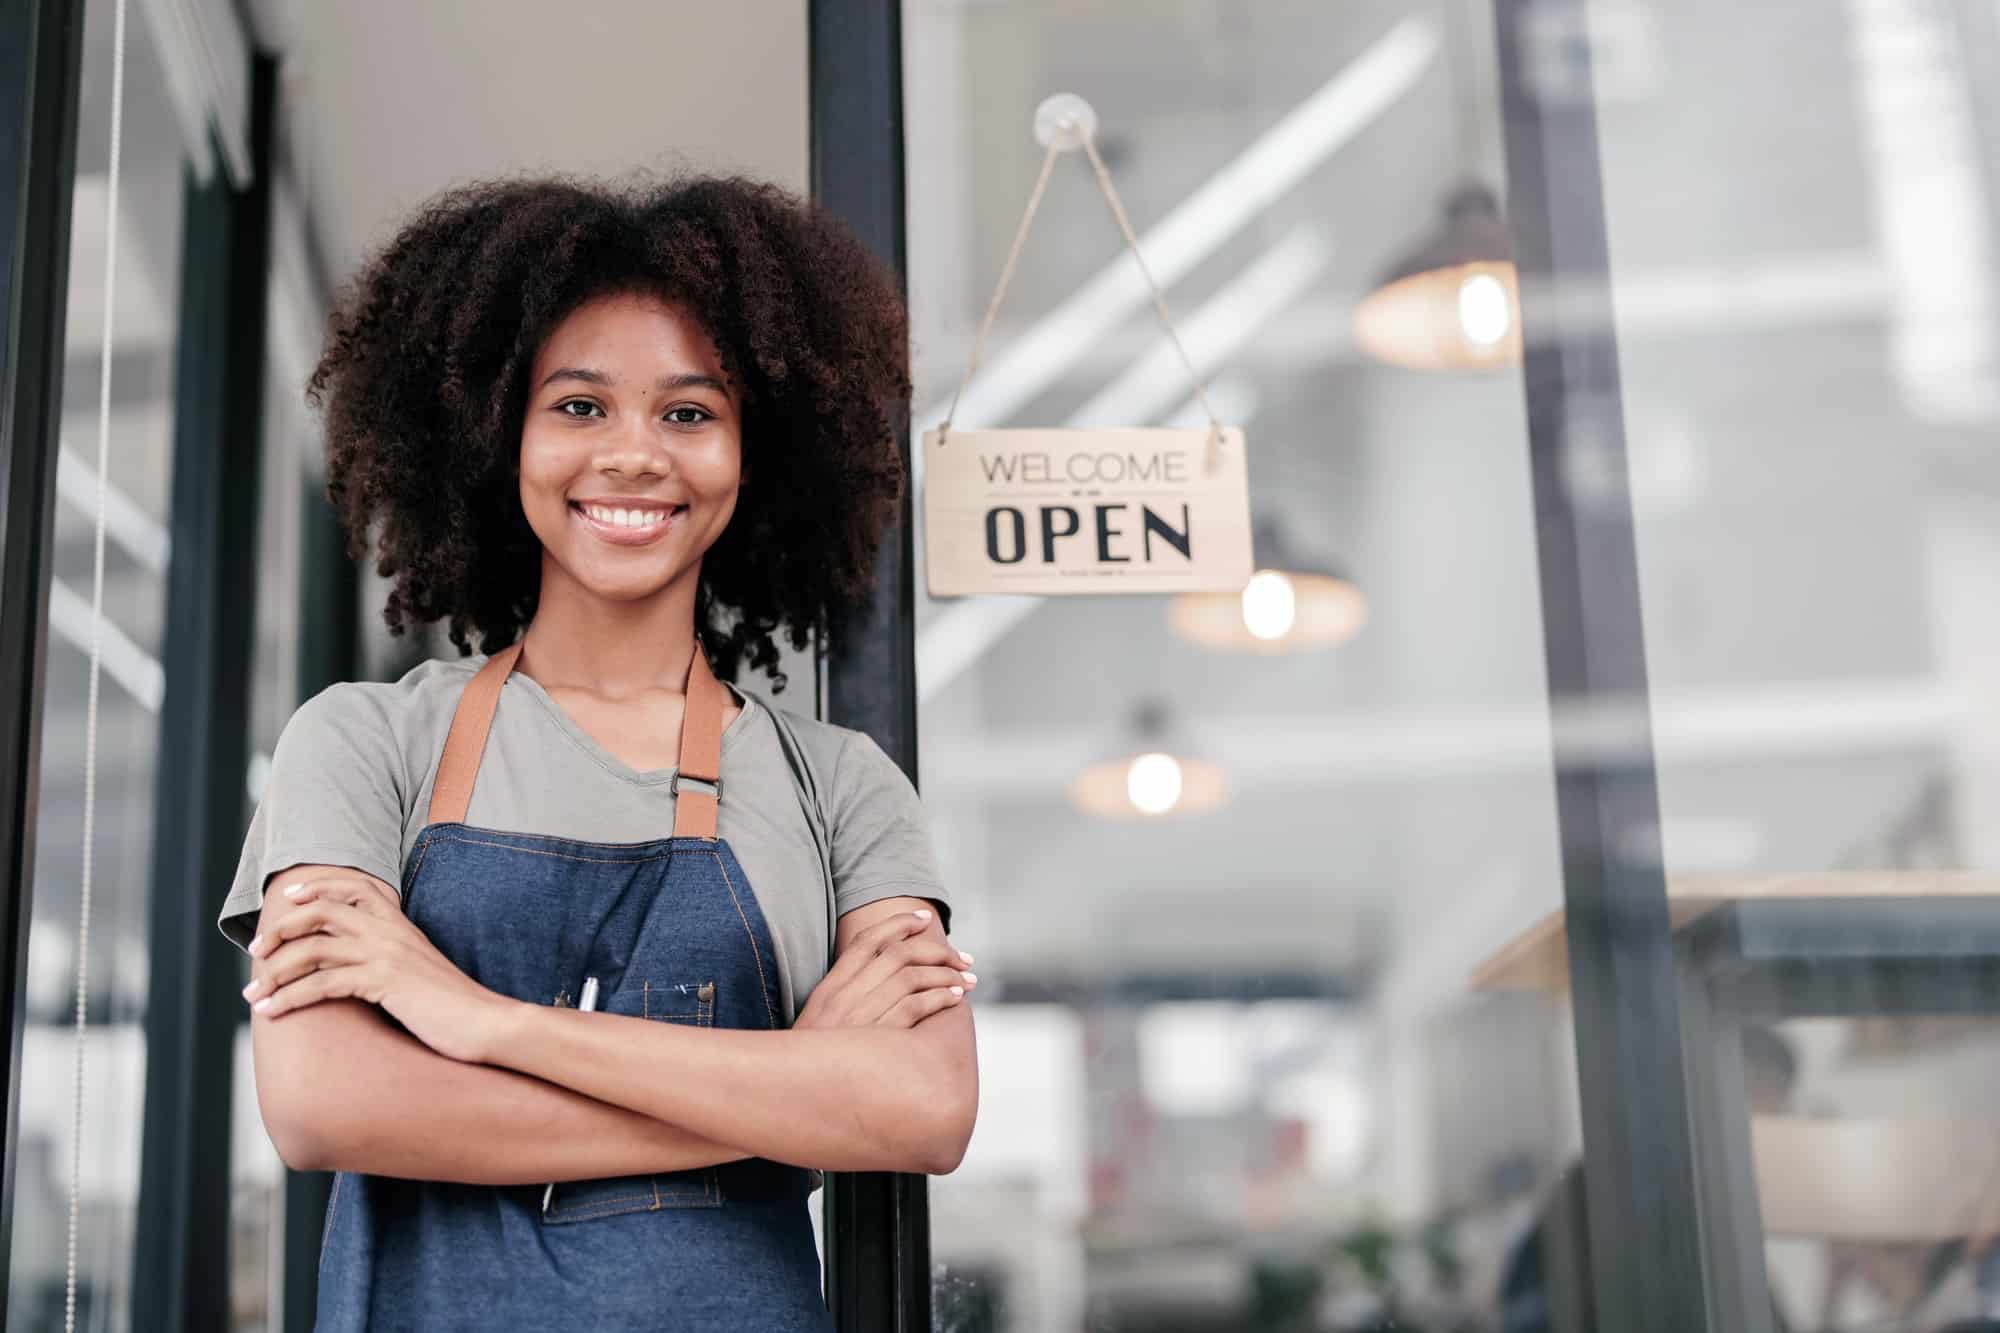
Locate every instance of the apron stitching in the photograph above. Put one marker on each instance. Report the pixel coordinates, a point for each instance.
(607, 1209)
(758, 954)
(565, 856)
(422, 852)
(653, 1197)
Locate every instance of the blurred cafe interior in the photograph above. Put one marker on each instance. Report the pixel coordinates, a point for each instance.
(1554, 894)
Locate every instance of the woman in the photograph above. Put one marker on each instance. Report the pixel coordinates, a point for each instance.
(621, 436)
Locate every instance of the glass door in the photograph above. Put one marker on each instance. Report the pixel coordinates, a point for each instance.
(1236, 869)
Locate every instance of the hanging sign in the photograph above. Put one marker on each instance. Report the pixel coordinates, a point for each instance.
(1121, 510)
(1085, 511)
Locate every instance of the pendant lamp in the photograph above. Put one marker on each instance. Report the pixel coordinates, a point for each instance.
(1454, 303)
(1150, 777)
(1290, 603)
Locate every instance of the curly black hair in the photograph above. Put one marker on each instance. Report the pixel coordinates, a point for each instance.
(424, 382)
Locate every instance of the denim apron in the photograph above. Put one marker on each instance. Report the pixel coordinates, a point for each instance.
(672, 932)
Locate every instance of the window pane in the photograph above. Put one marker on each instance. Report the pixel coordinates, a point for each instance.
(1801, 201)
(148, 236)
(1240, 1069)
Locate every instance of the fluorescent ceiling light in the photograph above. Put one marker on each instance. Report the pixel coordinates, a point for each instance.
(131, 528)
(131, 666)
(1918, 131)
(1804, 720)
(1158, 381)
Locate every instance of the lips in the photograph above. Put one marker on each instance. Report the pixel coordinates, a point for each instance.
(632, 523)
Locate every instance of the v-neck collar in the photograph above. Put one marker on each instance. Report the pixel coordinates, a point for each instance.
(610, 762)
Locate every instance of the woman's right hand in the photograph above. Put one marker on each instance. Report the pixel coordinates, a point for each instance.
(889, 975)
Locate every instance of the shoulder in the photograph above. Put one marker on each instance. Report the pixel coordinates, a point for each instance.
(360, 710)
(376, 733)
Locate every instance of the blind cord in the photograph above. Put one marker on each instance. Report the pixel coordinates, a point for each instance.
(96, 645)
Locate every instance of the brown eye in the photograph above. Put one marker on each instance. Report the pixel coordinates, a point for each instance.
(563, 408)
(700, 415)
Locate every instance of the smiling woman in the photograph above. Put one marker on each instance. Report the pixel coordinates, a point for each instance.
(631, 446)
(443, 372)
(546, 403)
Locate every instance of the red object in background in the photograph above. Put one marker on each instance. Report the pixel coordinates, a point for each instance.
(1288, 1146)
(1107, 1184)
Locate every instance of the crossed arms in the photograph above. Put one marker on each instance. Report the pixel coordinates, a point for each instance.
(878, 1073)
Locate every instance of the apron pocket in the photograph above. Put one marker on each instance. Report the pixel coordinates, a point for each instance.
(690, 1002)
(588, 1200)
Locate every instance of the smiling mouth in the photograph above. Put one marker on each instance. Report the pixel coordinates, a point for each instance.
(627, 524)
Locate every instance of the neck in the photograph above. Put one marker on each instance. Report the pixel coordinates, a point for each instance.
(579, 640)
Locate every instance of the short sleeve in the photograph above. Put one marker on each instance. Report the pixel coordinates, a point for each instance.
(334, 797)
(881, 836)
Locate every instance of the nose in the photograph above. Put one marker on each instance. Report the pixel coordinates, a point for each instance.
(634, 453)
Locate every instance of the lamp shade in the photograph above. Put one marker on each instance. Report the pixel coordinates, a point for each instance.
(1150, 777)
(1454, 303)
(1289, 604)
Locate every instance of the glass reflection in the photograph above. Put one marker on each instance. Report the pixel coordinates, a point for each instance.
(1236, 1068)
(1807, 332)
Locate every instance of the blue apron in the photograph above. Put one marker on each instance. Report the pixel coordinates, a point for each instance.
(672, 932)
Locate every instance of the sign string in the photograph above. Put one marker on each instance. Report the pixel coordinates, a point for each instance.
(96, 653)
(1110, 192)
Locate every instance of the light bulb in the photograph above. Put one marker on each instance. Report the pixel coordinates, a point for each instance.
(1270, 605)
(1483, 309)
(1153, 783)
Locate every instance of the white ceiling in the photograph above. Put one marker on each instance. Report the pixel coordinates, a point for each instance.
(387, 102)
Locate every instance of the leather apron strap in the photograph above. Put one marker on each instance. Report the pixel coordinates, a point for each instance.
(697, 783)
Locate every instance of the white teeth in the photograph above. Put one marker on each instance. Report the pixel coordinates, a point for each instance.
(626, 518)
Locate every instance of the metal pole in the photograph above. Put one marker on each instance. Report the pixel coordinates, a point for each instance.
(877, 1224)
(181, 1251)
(1639, 1168)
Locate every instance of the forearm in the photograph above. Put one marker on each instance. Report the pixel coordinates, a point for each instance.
(837, 1099)
(346, 1089)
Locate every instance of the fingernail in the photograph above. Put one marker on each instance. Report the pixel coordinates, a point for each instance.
(263, 1005)
(958, 990)
(294, 890)
(257, 944)
(255, 986)
(966, 956)
(922, 914)
(969, 977)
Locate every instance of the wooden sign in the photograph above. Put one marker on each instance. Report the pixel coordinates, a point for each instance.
(1085, 511)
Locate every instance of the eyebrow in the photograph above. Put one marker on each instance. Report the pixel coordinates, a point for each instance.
(690, 380)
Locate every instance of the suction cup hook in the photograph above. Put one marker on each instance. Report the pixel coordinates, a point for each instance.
(1064, 121)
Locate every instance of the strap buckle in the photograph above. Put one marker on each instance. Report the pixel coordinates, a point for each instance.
(706, 786)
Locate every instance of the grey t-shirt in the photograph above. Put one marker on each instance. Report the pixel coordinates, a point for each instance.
(350, 785)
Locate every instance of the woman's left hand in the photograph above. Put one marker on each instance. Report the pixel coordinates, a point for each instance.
(345, 940)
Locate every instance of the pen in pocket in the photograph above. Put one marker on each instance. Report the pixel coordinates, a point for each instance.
(587, 1001)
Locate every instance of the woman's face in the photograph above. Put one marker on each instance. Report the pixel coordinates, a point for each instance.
(631, 447)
